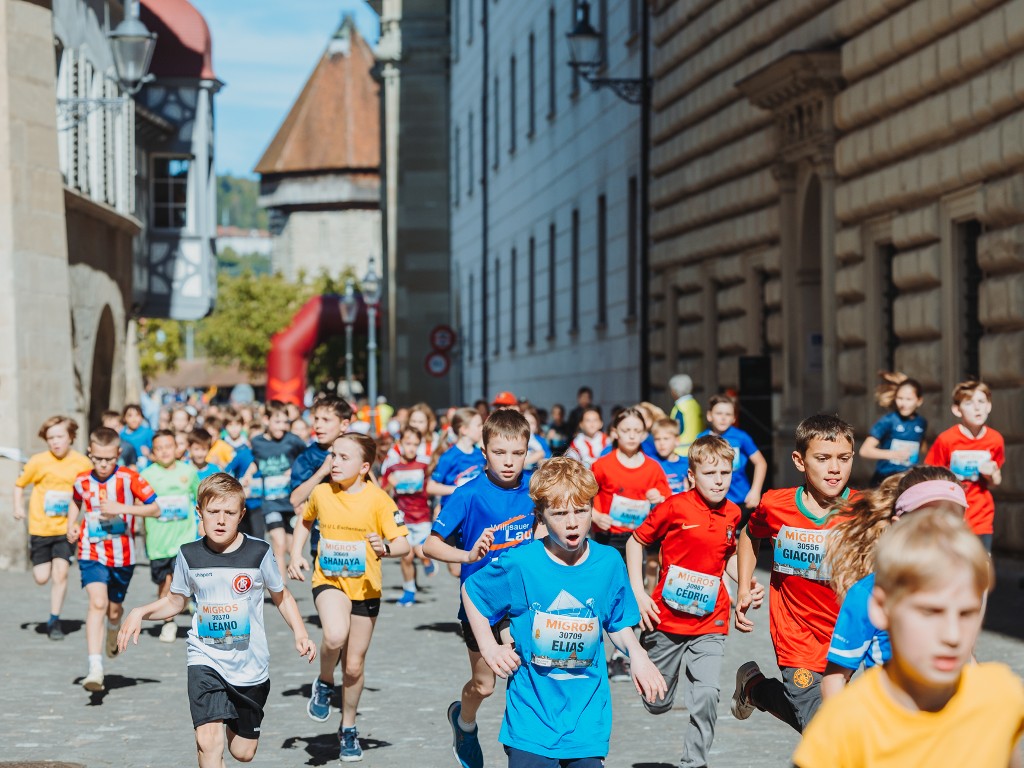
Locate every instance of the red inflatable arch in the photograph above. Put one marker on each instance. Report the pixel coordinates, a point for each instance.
(288, 359)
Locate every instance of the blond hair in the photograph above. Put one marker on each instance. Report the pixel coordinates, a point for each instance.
(69, 424)
(220, 486)
(665, 425)
(965, 390)
(562, 479)
(710, 448)
(922, 549)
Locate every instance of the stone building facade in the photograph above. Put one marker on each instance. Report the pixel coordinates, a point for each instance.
(838, 185)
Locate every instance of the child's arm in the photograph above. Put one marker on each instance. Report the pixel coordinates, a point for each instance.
(165, 608)
(746, 554)
(111, 508)
(869, 450)
(649, 613)
(296, 562)
(303, 491)
(760, 472)
(435, 488)
(502, 659)
(834, 679)
(647, 679)
(437, 548)
(73, 512)
(289, 609)
(756, 589)
(19, 503)
(399, 545)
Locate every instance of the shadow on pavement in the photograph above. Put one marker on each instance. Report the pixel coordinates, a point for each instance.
(314, 619)
(68, 626)
(323, 749)
(450, 627)
(654, 765)
(112, 683)
(154, 631)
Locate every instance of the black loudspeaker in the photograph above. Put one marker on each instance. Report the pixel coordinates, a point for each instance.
(755, 400)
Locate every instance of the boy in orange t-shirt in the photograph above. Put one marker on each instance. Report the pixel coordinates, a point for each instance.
(974, 453)
(802, 606)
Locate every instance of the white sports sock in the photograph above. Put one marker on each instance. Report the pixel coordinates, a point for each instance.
(466, 727)
(409, 586)
(95, 660)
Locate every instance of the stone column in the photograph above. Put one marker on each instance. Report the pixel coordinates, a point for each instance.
(825, 169)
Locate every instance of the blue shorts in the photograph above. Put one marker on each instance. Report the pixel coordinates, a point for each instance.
(115, 577)
(517, 758)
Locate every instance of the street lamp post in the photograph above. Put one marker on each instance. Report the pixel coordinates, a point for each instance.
(585, 58)
(349, 311)
(371, 297)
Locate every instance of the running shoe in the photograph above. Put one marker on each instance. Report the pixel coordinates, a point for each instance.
(54, 631)
(742, 707)
(112, 641)
(168, 632)
(319, 707)
(93, 682)
(618, 669)
(429, 569)
(408, 598)
(351, 752)
(465, 744)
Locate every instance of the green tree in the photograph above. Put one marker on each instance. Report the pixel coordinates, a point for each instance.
(238, 203)
(160, 345)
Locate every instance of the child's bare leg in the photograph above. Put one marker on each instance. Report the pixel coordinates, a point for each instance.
(210, 744)
(355, 661)
(335, 611)
(242, 749)
(58, 584)
(479, 687)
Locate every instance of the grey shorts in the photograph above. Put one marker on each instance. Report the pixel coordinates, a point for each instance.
(699, 657)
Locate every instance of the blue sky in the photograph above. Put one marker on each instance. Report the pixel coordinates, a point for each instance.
(264, 50)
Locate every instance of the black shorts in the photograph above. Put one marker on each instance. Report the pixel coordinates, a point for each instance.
(161, 568)
(43, 549)
(212, 699)
(280, 519)
(369, 608)
(470, 638)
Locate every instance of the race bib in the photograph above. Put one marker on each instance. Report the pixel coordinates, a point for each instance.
(911, 447)
(964, 464)
(408, 480)
(344, 559)
(173, 507)
(689, 591)
(99, 528)
(801, 552)
(276, 487)
(563, 642)
(57, 503)
(224, 623)
(629, 513)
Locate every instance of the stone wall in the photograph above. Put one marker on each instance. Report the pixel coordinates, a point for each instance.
(312, 242)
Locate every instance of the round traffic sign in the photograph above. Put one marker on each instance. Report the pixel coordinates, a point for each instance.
(437, 364)
(442, 338)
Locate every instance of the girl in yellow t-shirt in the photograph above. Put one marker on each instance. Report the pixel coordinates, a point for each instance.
(358, 527)
(52, 476)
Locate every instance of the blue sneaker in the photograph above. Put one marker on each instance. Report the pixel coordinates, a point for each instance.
(408, 598)
(466, 746)
(429, 569)
(351, 752)
(319, 707)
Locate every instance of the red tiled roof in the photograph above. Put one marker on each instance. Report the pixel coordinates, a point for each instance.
(183, 44)
(335, 122)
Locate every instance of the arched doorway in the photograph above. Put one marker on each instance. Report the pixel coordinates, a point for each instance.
(102, 368)
(809, 308)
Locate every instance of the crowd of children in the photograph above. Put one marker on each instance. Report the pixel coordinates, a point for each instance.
(562, 534)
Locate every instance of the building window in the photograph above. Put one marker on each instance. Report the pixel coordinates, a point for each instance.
(531, 313)
(512, 305)
(497, 307)
(512, 127)
(968, 233)
(552, 306)
(456, 169)
(170, 192)
(602, 13)
(634, 17)
(531, 112)
(552, 64)
(889, 292)
(632, 248)
(574, 273)
(497, 122)
(602, 261)
(471, 177)
(455, 29)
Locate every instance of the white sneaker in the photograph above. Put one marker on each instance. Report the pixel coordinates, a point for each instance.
(168, 632)
(93, 682)
(112, 641)
(741, 707)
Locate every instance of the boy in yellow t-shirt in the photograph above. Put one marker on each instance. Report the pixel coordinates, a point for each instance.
(52, 476)
(928, 705)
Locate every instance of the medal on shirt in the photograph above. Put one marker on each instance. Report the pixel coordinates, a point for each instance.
(689, 591)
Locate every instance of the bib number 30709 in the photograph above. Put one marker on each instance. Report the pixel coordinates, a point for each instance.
(563, 642)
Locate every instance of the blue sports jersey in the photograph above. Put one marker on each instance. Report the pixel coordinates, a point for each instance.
(138, 439)
(457, 468)
(675, 470)
(481, 504)
(558, 703)
(205, 472)
(855, 639)
(303, 468)
(648, 449)
(537, 443)
(893, 432)
(237, 467)
(743, 445)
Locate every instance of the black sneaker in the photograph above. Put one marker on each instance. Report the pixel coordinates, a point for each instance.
(53, 630)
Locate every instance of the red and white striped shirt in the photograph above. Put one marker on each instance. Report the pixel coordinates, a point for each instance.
(588, 449)
(111, 541)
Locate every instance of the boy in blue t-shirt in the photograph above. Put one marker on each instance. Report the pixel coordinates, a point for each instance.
(137, 433)
(489, 515)
(743, 492)
(560, 594)
(665, 433)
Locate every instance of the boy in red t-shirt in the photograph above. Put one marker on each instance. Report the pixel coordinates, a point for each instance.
(802, 606)
(687, 617)
(974, 453)
(406, 482)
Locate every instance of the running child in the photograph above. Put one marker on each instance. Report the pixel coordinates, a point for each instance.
(488, 516)
(221, 453)
(235, 434)
(274, 453)
(802, 606)
(686, 619)
(928, 705)
(405, 481)
(199, 443)
(975, 453)
(52, 476)
(176, 484)
(666, 436)
(137, 433)
(112, 498)
(420, 417)
(559, 594)
(850, 558)
(129, 457)
(226, 572)
(358, 528)
(539, 450)
(463, 461)
(896, 440)
(744, 493)
(590, 443)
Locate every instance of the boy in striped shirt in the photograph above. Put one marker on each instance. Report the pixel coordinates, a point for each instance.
(111, 498)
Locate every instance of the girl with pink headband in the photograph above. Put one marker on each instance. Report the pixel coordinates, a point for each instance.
(851, 554)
